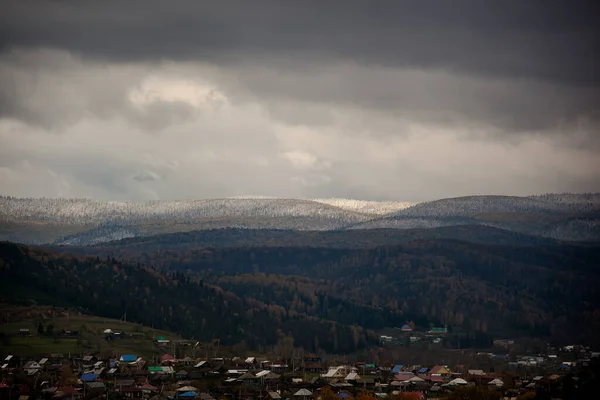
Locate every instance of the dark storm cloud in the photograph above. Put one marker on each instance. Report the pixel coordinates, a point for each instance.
(519, 66)
(548, 40)
(368, 99)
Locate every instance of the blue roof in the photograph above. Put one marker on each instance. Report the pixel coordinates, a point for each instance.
(128, 357)
(344, 395)
(423, 370)
(405, 326)
(397, 368)
(188, 394)
(88, 377)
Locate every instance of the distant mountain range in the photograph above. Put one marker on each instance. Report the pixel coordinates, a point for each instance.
(79, 222)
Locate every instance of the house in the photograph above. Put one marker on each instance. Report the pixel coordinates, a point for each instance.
(406, 328)
(312, 358)
(368, 381)
(11, 361)
(303, 393)
(438, 330)
(95, 387)
(397, 368)
(89, 360)
(458, 382)
(248, 379)
(24, 332)
(32, 365)
(476, 372)
(496, 382)
(273, 396)
(404, 376)
(128, 358)
(202, 364)
(352, 377)
(186, 361)
(313, 368)
(88, 378)
(167, 359)
(181, 374)
(440, 370)
(162, 340)
(337, 373)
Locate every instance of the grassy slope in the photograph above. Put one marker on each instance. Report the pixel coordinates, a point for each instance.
(91, 339)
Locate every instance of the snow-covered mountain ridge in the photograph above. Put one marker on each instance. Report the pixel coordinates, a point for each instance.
(87, 211)
(43, 220)
(366, 206)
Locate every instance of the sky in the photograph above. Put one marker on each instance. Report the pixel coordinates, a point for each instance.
(372, 100)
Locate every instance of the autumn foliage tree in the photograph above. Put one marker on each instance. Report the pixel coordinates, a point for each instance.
(407, 396)
(473, 393)
(327, 394)
(365, 396)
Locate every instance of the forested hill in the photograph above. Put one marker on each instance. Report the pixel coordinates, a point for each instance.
(328, 298)
(171, 301)
(494, 289)
(347, 239)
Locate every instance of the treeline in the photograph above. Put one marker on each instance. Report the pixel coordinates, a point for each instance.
(543, 291)
(349, 239)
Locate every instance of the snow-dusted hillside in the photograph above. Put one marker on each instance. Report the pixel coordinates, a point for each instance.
(414, 223)
(559, 216)
(365, 206)
(85, 221)
(578, 202)
(86, 212)
(99, 235)
(465, 206)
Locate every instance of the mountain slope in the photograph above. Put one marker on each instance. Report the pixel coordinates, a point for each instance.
(89, 221)
(261, 294)
(366, 207)
(139, 340)
(135, 248)
(567, 217)
(493, 281)
(543, 291)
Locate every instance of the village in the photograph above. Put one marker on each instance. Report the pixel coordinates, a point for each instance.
(185, 376)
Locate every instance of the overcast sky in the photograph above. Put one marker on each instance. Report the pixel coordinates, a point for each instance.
(380, 100)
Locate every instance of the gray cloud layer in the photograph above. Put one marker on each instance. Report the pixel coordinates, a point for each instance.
(390, 100)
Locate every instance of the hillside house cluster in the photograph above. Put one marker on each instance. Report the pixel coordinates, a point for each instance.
(409, 335)
(56, 377)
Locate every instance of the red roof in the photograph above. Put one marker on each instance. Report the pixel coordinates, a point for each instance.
(167, 357)
(68, 389)
(148, 386)
(412, 395)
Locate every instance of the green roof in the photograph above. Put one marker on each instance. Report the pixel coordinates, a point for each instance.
(155, 369)
(96, 385)
(161, 338)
